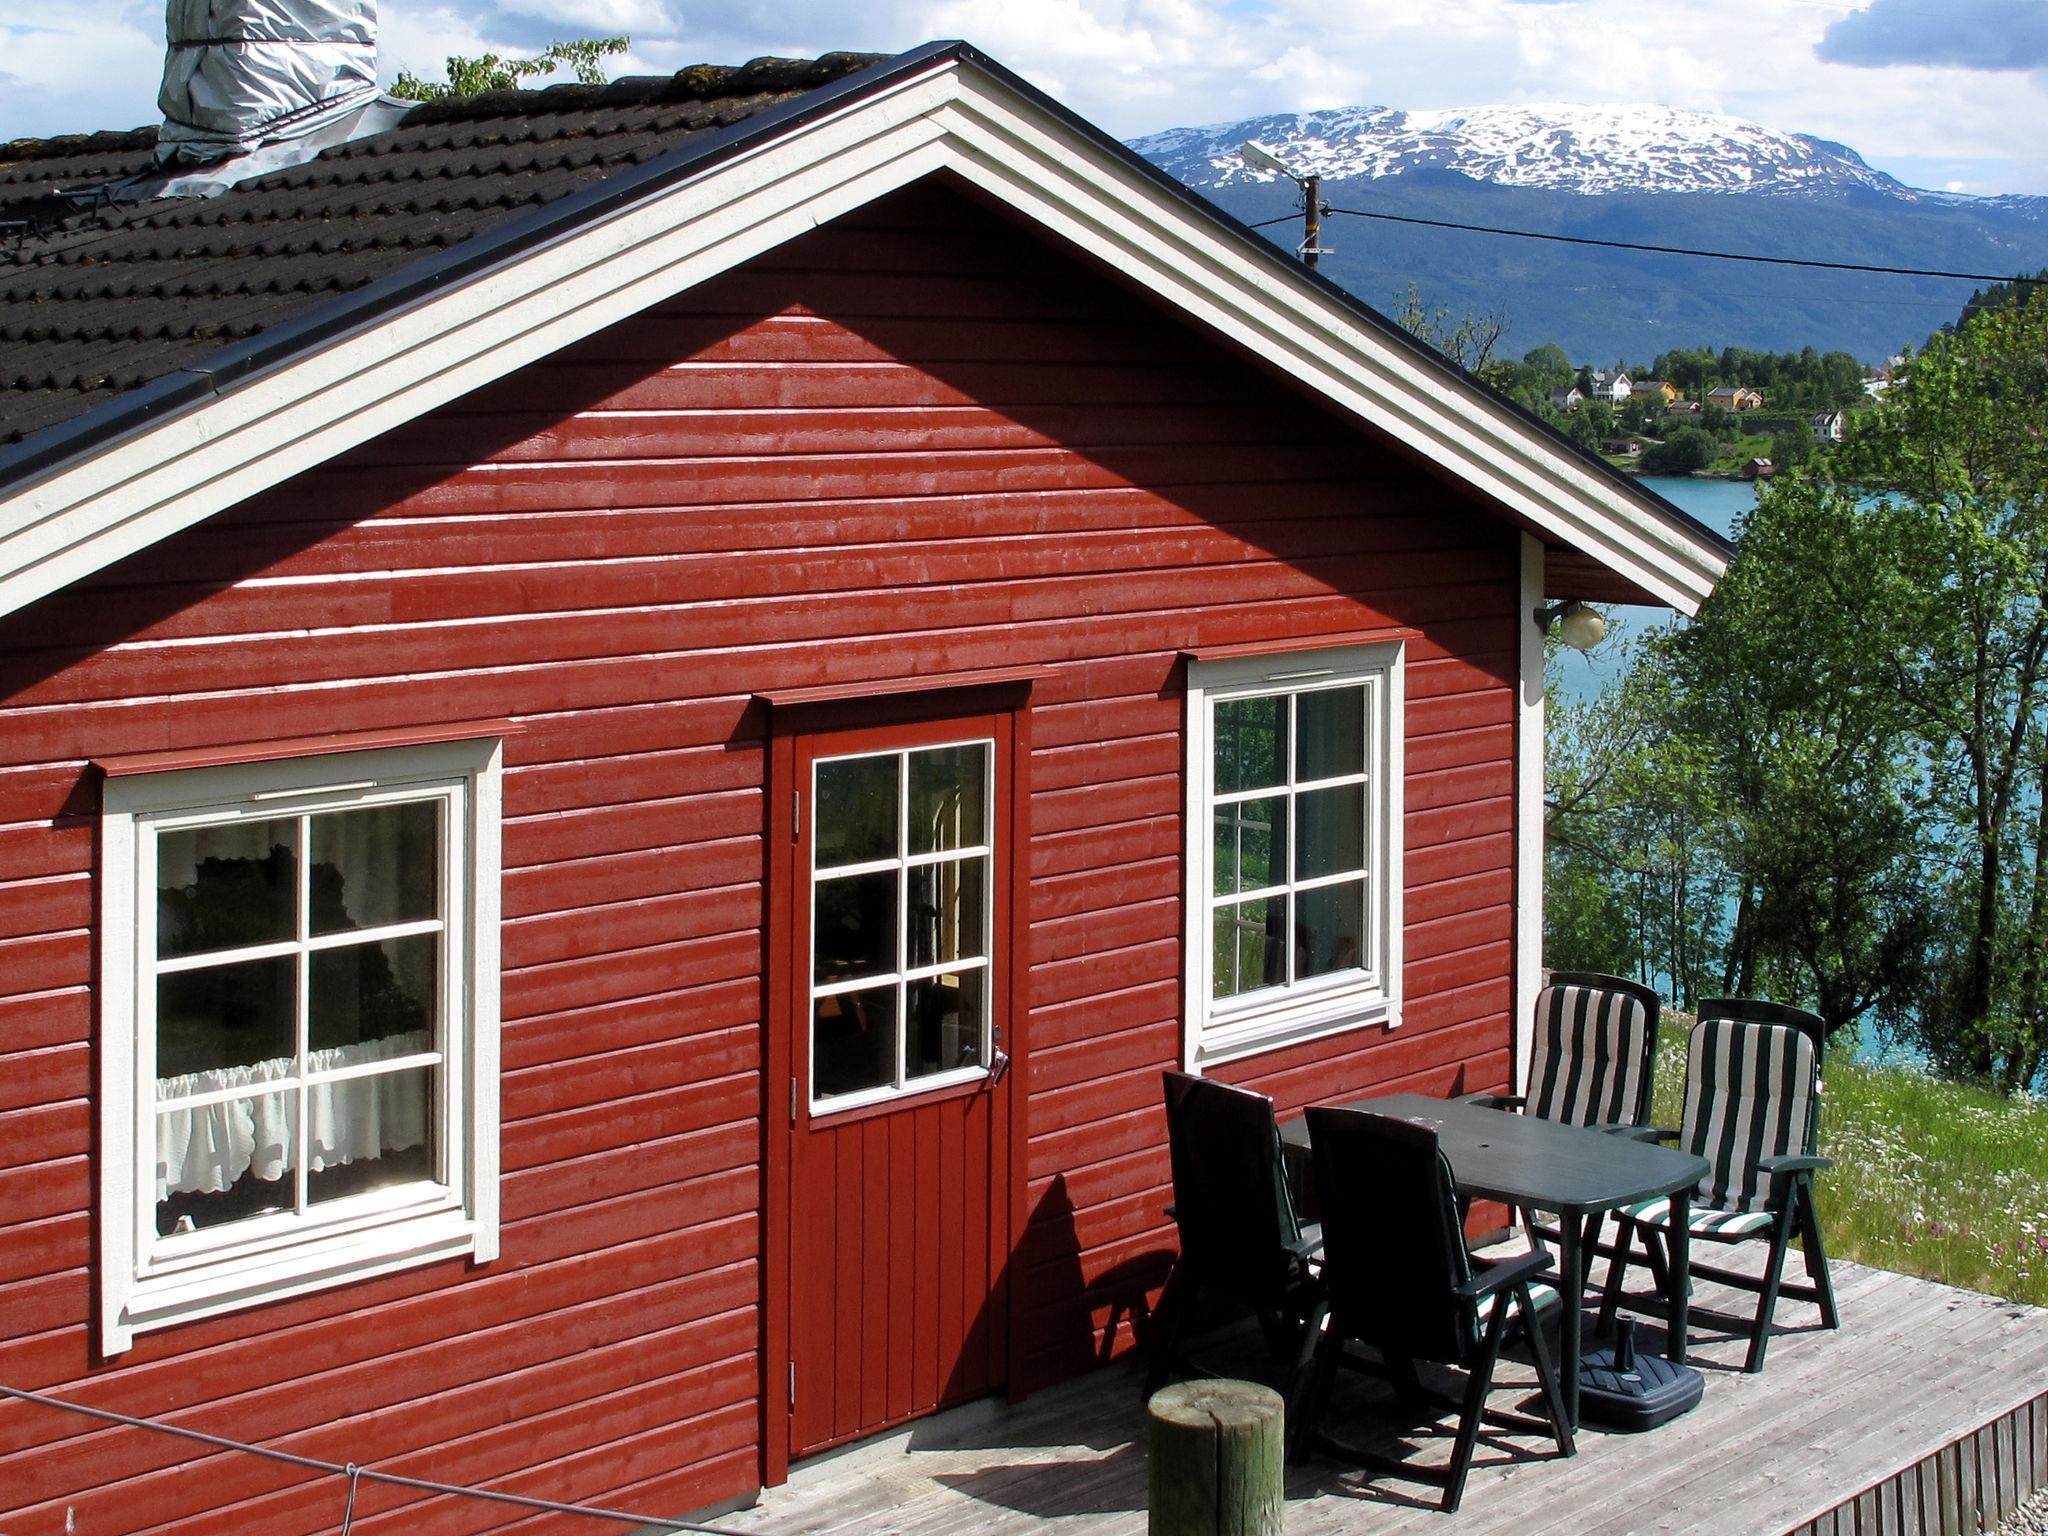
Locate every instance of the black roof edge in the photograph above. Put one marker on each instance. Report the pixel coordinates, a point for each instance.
(130, 413)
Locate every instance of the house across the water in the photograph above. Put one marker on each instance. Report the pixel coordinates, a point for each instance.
(635, 720)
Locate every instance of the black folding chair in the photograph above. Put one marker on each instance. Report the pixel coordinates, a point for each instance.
(1752, 1109)
(1240, 1239)
(1399, 1280)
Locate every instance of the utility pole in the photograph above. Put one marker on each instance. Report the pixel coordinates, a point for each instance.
(1260, 158)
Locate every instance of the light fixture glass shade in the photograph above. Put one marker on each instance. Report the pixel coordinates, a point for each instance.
(1581, 627)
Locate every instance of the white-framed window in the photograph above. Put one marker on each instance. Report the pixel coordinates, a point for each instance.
(299, 1015)
(1293, 847)
(902, 912)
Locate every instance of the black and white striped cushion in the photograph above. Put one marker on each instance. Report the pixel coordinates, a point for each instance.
(1588, 1058)
(1723, 1224)
(1750, 1093)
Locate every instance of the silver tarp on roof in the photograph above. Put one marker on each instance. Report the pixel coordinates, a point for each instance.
(239, 74)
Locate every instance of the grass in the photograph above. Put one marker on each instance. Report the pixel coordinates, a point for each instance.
(1931, 1178)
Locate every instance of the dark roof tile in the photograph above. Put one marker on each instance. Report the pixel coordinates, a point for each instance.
(95, 298)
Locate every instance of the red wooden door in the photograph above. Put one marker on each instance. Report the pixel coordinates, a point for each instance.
(899, 1162)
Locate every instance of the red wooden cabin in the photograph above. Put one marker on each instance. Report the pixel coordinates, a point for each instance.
(609, 814)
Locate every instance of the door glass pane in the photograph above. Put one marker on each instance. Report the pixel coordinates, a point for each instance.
(1251, 845)
(376, 866)
(214, 1024)
(946, 1023)
(1251, 743)
(856, 811)
(1332, 840)
(369, 1002)
(226, 887)
(948, 912)
(1250, 946)
(1329, 739)
(949, 798)
(853, 1042)
(227, 1161)
(1329, 929)
(364, 1133)
(855, 929)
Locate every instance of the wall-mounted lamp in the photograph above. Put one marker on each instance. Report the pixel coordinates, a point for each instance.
(1578, 626)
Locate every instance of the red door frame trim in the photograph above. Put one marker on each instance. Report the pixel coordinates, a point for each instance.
(806, 711)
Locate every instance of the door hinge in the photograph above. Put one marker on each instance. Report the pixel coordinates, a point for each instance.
(792, 1383)
(796, 814)
(792, 1101)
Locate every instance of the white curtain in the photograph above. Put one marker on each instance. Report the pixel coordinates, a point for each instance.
(206, 1148)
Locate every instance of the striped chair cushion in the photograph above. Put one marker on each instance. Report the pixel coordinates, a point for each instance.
(1721, 1224)
(1589, 1060)
(1751, 1091)
(1543, 1296)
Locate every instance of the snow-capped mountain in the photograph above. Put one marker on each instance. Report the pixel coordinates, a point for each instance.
(1628, 175)
(1591, 150)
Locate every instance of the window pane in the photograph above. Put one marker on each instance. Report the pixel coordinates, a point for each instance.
(948, 911)
(224, 1018)
(363, 1133)
(370, 1001)
(1332, 838)
(946, 1023)
(1251, 743)
(856, 811)
(949, 798)
(855, 929)
(225, 887)
(376, 866)
(223, 1162)
(1251, 845)
(853, 1042)
(1250, 946)
(1329, 929)
(1329, 738)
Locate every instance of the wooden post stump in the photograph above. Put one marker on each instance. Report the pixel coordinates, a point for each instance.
(1218, 1459)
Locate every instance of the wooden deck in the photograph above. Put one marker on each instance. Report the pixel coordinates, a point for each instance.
(1927, 1411)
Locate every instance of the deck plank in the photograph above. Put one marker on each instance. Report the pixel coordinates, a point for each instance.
(1831, 1436)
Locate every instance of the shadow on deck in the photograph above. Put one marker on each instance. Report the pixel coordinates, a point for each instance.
(1926, 1412)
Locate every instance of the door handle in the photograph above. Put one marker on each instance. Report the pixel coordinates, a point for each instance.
(999, 1068)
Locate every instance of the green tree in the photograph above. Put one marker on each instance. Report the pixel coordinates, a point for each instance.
(1960, 455)
(1467, 340)
(1685, 450)
(1810, 759)
(581, 56)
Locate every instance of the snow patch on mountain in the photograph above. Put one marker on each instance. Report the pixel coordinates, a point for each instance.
(1567, 148)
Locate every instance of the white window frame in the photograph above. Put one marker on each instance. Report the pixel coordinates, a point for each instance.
(1223, 1030)
(903, 974)
(149, 1282)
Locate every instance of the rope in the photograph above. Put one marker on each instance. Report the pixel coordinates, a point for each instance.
(356, 1474)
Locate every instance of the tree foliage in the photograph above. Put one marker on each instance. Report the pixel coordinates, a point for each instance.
(1467, 340)
(581, 56)
(1845, 756)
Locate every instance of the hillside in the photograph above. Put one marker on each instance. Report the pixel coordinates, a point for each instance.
(1648, 175)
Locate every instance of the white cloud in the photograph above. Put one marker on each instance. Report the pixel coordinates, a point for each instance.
(1134, 66)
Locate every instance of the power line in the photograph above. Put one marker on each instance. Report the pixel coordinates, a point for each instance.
(1677, 250)
(355, 1473)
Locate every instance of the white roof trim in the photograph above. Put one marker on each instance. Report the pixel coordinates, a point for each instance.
(84, 515)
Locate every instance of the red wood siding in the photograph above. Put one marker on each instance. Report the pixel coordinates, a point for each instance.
(914, 442)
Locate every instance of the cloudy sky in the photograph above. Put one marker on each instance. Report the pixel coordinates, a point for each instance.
(1941, 93)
